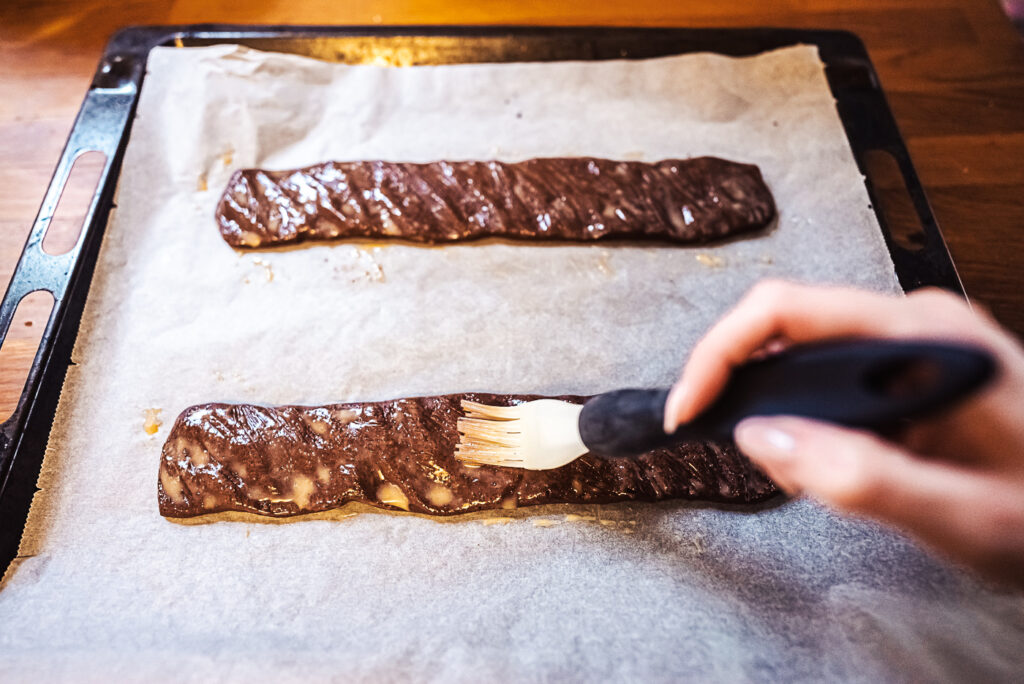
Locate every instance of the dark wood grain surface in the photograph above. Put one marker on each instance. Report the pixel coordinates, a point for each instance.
(953, 71)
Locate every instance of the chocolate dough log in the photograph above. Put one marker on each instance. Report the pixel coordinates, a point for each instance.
(399, 454)
(583, 199)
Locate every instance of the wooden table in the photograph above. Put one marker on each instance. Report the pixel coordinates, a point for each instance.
(953, 70)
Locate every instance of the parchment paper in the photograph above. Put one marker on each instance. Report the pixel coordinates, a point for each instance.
(106, 588)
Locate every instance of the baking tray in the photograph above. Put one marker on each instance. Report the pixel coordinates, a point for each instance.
(104, 123)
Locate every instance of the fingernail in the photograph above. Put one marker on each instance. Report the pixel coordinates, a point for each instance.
(760, 437)
(675, 397)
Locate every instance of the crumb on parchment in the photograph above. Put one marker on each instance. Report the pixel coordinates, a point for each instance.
(710, 260)
(573, 517)
(268, 269)
(153, 422)
(496, 521)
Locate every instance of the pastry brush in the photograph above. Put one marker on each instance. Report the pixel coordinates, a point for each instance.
(869, 384)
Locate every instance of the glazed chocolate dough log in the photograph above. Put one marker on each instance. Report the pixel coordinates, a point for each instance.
(682, 200)
(399, 454)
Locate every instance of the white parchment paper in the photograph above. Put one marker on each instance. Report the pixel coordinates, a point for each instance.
(106, 588)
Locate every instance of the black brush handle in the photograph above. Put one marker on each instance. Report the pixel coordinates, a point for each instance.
(869, 384)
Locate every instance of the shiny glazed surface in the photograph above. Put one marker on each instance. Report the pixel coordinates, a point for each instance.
(290, 460)
(579, 199)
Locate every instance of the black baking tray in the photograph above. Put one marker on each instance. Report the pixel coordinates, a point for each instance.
(104, 124)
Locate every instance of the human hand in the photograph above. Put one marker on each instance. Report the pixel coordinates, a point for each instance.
(956, 481)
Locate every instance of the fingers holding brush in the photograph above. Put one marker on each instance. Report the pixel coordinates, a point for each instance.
(775, 314)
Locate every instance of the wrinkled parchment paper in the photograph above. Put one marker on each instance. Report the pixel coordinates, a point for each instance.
(107, 588)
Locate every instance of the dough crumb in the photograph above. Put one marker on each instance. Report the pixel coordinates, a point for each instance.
(373, 271)
(572, 517)
(153, 421)
(360, 264)
(201, 184)
(710, 260)
(544, 522)
(268, 269)
(698, 544)
(496, 521)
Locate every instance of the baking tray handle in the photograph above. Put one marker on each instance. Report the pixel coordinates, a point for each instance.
(100, 126)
